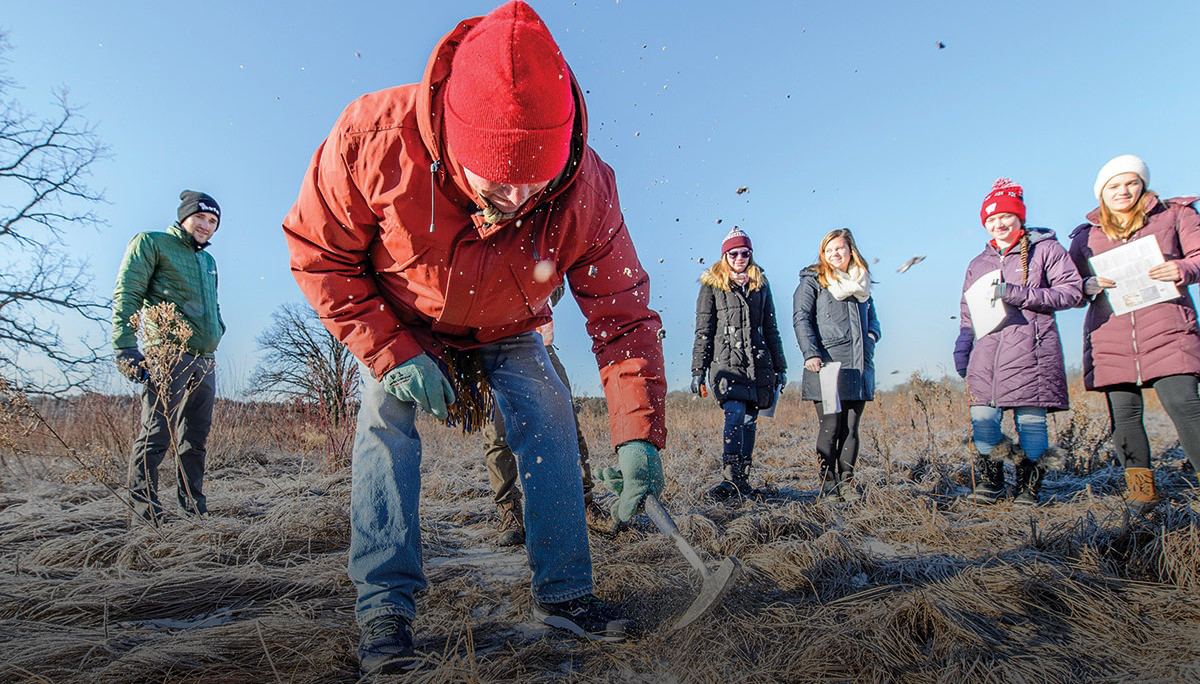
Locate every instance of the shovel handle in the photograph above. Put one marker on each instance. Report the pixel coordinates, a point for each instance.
(662, 519)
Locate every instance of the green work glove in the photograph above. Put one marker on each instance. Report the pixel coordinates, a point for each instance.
(420, 381)
(640, 474)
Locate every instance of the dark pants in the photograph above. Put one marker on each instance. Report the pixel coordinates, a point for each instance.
(502, 464)
(837, 440)
(741, 424)
(181, 416)
(1178, 396)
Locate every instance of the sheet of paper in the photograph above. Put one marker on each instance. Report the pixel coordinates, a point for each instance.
(831, 401)
(986, 313)
(1127, 266)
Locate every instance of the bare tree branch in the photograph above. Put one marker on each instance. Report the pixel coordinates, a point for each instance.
(45, 201)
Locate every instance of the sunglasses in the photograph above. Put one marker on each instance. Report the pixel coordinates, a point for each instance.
(739, 253)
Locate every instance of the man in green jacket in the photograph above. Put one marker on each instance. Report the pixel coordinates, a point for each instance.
(172, 267)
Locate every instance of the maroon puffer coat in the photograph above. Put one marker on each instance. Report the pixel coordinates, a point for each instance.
(1020, 363)
(1161, 339)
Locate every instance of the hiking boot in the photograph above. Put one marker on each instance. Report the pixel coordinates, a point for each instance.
(847, 490)
(586, 616)
(990, 485)
(1139, 490)
(829, 481)
(386, 646)
(1029, 483)
(512, 525)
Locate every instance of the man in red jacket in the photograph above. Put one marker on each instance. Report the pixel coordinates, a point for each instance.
(431, 228)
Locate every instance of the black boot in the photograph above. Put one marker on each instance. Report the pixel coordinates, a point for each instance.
(990, 483)
(728, 487)
(741, 477)
(1029, 483)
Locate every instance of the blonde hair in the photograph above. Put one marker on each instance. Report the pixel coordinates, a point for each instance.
(1116, 228)
(824, 269)
(720, 276)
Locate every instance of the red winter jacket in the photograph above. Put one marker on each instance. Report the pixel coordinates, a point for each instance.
(389, 248)
(1161, 339)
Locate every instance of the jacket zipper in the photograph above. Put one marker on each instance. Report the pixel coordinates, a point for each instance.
(433, 169)
(996, 356)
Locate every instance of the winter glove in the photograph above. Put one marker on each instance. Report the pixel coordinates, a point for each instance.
(132, 364)
(698, 383)
(962, 373)
(640, 474)
(1092, 286)
(998, 293)
(781, 381)
(419, 380)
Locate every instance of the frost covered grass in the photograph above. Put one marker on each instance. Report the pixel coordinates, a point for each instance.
(908, 585)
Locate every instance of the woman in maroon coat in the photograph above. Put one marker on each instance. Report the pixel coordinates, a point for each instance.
(1018, 364)
(1156, 346)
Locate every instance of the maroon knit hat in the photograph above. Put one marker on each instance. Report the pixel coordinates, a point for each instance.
(735, 239)
(509, 106)
(1006, 197)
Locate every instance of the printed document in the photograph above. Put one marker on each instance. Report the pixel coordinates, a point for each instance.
(987, 311)
(831, 402)
(1127, 266)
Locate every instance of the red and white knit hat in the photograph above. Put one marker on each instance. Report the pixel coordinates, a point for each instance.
(1006, 197)
(735, 239)
(509, 105)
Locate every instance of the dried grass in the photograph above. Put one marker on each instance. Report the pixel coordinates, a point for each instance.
(909, 585)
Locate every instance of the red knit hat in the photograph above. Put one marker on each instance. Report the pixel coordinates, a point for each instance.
(1006, 197)
(509, 106)
(735, 239)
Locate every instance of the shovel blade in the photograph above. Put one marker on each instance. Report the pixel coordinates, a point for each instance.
(715, 585)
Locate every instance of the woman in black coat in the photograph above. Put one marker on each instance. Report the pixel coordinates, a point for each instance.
(834, 317)
(739, 349)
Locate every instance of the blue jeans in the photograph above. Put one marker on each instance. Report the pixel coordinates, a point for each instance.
(385, 532)
(741, 423)
(1031, 429)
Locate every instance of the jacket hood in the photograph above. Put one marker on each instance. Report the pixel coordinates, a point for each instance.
(430, 115)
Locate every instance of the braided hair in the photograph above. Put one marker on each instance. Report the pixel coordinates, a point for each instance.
(1025, 257)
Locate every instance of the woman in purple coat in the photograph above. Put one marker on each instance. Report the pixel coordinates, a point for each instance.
(1155, 346)
(1018, 364)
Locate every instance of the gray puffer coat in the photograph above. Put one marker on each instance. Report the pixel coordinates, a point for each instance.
(834, 330)
(737, 341)
(1020, 363)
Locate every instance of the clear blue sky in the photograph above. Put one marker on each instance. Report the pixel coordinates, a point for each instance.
(832, 114)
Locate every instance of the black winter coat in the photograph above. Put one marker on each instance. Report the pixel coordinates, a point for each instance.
(738, 342)
(836, 331)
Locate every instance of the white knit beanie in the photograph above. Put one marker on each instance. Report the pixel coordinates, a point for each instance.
(1126, 163)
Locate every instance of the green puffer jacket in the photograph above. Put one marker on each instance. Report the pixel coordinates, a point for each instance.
(169, 267)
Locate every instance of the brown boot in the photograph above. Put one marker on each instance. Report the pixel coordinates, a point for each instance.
(512, 524)
(1139, 490)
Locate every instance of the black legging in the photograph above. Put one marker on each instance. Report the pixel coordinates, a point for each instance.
(1178, 396)
(837, 442)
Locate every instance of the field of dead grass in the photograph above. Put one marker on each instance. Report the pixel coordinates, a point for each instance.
(908, 585)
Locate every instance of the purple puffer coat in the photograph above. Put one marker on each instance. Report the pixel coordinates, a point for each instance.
(1161, 339)
(1020, 363)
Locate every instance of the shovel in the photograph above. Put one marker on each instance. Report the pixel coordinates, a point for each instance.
(716, 582)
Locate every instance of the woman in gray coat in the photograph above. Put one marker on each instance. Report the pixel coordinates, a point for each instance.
(834, 317)
(738, 346)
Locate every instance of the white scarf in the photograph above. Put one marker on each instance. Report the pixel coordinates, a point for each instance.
(856, 283)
